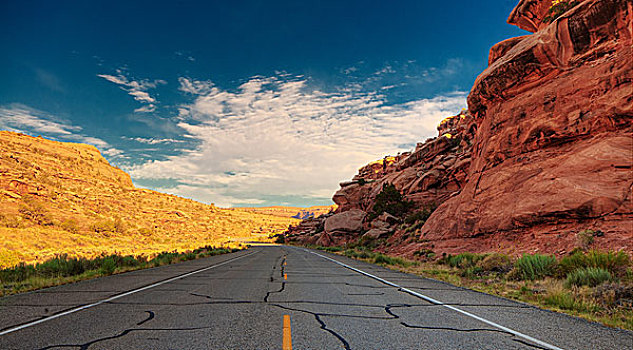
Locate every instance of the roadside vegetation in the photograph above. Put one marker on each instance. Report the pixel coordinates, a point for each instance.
(595, 285)
(63, 269)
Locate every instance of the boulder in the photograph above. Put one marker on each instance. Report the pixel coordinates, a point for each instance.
(348, 221)
(376, 233)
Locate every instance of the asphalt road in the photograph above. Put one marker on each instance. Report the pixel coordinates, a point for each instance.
(280, 297)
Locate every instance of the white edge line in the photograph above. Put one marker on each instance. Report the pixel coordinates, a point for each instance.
(437, 302)
(67, 312)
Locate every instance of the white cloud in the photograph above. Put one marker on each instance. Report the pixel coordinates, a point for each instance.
(277, 137)
(21, 118)
(146, 109)
(195, 87)
(18, 117)
(136, 88)
(153, 141)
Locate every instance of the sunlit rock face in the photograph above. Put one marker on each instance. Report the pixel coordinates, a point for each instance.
(544, 151)
(552, 152)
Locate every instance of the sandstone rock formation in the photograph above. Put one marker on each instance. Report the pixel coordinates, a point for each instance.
(544, 151)
(552, 153)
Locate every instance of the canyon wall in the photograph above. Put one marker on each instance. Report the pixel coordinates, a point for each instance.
(543, 153)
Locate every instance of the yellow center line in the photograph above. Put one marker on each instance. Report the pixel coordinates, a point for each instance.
(287, 338)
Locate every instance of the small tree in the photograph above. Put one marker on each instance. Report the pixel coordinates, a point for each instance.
(391, 201)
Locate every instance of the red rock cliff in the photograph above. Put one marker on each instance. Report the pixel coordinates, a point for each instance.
(552, 152)
(545, 150)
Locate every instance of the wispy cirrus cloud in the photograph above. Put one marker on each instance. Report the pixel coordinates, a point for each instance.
(136, 88)
(277, 136)
(21, 118)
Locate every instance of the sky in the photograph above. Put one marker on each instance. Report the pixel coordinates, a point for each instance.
(243, 103)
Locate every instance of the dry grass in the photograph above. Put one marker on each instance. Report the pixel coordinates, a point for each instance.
(66, 198)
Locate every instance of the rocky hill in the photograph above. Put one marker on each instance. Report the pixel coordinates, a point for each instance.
(66, 198)
(540, 161)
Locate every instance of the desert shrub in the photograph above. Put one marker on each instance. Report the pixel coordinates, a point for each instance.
(61, 265)
(35, 212)
(69, 225)
(188, 256)
(129, 260)
(463, 260)
(333, 249)
(17, 274)
(103, 226)
(585, 238)
(353, 253)
(425, 253)
(108, 225)
(472, 272)
(497, 262)
(391, 201)
(390, 260)
(590, 276)
(420, 215)
(164, 258)
(562, 300)
(533, 267)
(611, 294)
(108, 265)
(614, 262)
(558, 8)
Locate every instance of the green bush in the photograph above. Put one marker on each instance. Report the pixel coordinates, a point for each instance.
(533, 267)
(420, 215)
(390, 260)
(471, 272)
(61, 265)
(564, 301)
(17, 274)
(391, 201)
(425, 253)
(463, 260)
(333, 249)
(108, 265)
(614, 262)
(187, 256)
(590, 276)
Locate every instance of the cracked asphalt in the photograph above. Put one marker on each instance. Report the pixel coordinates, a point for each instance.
(241, 303)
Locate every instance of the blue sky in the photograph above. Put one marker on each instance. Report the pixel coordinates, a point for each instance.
(242, 103)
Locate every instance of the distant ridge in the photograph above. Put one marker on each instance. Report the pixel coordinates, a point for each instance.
(65, 198)
(293, 212)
